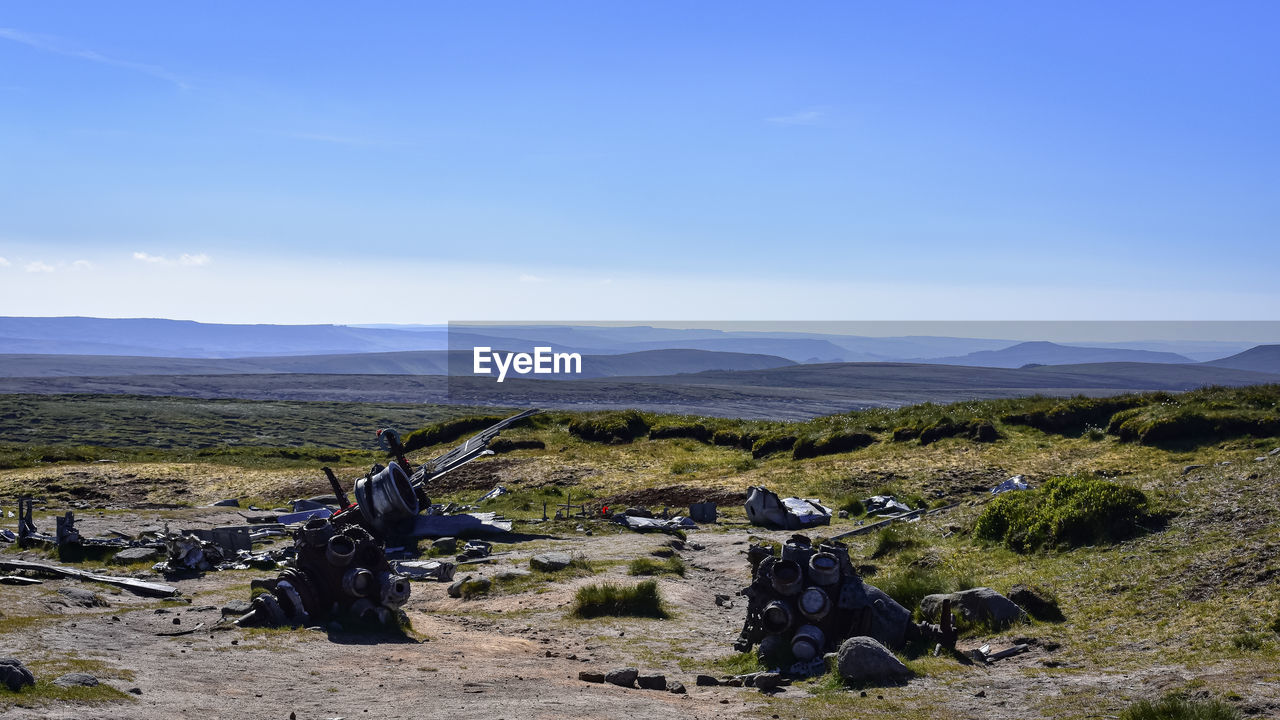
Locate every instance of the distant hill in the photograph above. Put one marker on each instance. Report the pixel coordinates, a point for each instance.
(432, 362)
(1047, 353)
(1263, 358)
(179, 338)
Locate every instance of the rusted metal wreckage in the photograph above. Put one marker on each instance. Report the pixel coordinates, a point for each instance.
(340, 567)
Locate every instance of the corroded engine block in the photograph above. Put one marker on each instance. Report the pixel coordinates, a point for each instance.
(338, 572)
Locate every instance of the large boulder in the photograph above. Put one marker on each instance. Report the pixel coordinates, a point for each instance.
(623, 677)
(550, 561)
(135, 555)
(76, 679)
(864, 661)
(14, 675)
(81, 597)
(978, 605)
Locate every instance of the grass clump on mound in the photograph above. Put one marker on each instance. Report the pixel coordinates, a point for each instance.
(1075, 415)
(651, 566)
(831, 444)
(1064, 512)
(911, 585)
(771, 444)
(1174, 707)
(607, 599)
(692, 430)
(448, 431)
(609, 427)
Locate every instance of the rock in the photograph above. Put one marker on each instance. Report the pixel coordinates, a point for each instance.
(624, 677)
(864, 660)
(76, 679)
(1260, 458)
(550, 562)
(591, 677)
(843, 514)
(82, 597)
(676, 687)
(14, 675)
(766, 680)
(229, 502)
(135, 690)
(1038, 604)
(979, 605)
(136, 554)
(236, 608)
(1188, 468)
(706, 681)
(455, 590)
(446, 545)
(1274, 451)
(663, 552)
(511, 574)
(652, 682)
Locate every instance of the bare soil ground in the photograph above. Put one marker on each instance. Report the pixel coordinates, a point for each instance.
(516, 652)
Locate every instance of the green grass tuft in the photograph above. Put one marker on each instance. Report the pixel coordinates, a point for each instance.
(607, 599)
(1174, 707)
(650, 566)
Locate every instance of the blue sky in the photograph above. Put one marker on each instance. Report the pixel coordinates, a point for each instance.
(420, 162)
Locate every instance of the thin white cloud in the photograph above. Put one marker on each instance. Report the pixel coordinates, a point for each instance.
(57, 46)
(527, 278)
(812, 116)
(37, 267)
(81, 264)
(4, 262)
(187, 259)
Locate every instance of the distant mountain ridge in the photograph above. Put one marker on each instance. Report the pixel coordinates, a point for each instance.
(430, 362)
(1049, 353)
(1263, 358)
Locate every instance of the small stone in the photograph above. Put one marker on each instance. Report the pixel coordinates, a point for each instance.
(591, 677)
(652, 682)
(136, 690)
(843, 514)
(980, 693)
(76, 679)
(706, 681)
(676, 688)
(1260, 458)
(1275, 451)
(767, 680)
(229, 502)
(177, 621)
(623, 677)
(82, 597)
(1188, 468)
(455, 590)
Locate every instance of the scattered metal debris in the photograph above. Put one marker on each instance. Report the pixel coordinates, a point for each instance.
(764, 507)
(1017, 482)
(141, 587)
(885, 505)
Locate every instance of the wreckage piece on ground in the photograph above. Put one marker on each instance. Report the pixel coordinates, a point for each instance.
(389, 499)
(764, 507)
(808, 600)
(338, 572)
